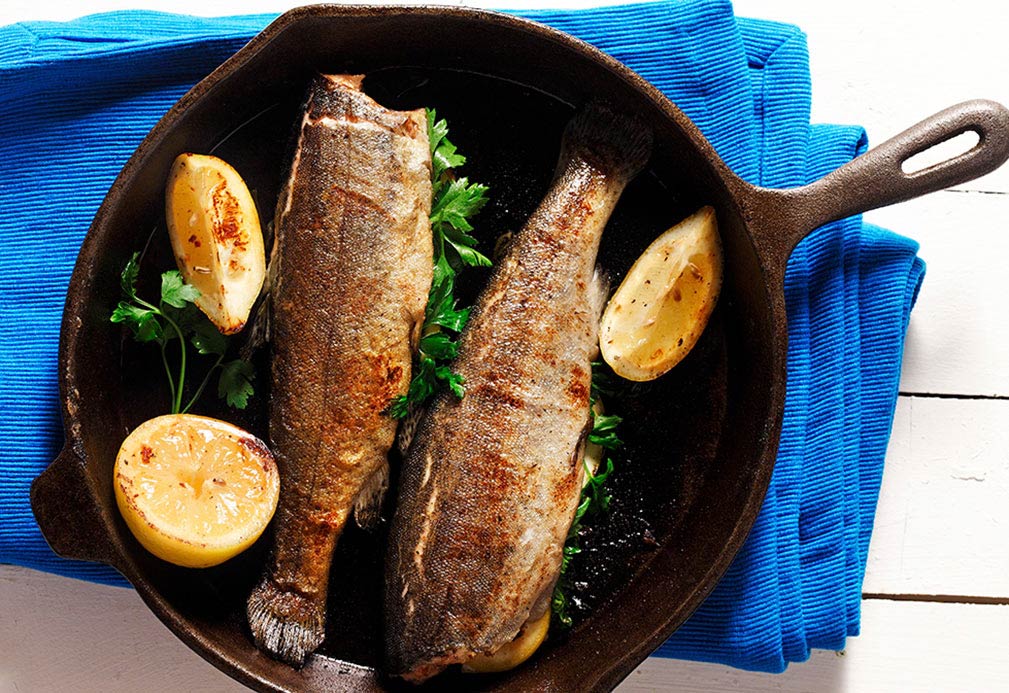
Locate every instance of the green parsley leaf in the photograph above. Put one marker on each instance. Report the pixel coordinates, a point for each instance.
(235, 383)
(453, 202)
(422, 385)
(436, 130)
(128, 279)
(594, 492)
(143, 322)
(602, 379)
(604, 431)
(439, 345)
(207, 338)
(175, 292)
(569, 553)
(400, 407)
(441, 307)
(445, 158)
(559, 607)
(454, 381)
(595, 500)
(177, 318)
(457, 202)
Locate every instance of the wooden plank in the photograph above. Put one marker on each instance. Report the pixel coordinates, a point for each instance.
(904, 646)
(959, 329)
(942, 515)
(885, 65)
(60, 635)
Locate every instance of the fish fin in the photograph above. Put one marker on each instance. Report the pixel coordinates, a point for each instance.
(258, 333)
(502, 245)
(288, 625)
(368, 506)
(273, 266)
(599, 292)
(259, 330)
(408, 429)
(608, 139)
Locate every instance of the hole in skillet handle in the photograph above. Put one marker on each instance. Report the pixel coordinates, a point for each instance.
(943, 151)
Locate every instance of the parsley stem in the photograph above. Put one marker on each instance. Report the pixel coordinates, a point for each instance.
(206, 379)
(168, 372)
(176, 394)
(149, 306)
(177, 404)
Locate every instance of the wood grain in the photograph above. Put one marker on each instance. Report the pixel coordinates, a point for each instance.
(904, 646)
(887, 64)
(58, 635)
(956, 343)
(942, 515)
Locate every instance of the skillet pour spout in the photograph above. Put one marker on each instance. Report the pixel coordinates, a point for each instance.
(698, 487)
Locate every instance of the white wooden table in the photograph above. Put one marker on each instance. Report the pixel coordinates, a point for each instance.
(935, 614)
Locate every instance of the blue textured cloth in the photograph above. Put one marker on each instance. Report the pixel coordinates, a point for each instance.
(76, 98)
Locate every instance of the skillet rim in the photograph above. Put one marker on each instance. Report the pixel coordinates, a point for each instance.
(736, 193)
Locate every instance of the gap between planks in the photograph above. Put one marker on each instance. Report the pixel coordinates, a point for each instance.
(938, 598)
(950, 395)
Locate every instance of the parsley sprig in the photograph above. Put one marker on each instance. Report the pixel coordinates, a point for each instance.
(453, 202)
(595, 500)
(176, 317)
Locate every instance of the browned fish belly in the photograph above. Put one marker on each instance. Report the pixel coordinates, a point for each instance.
(348, 297)
(491, 482)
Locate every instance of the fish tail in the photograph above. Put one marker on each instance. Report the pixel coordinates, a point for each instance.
(613, 141)
(287, 624)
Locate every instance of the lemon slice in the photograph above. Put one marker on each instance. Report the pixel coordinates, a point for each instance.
(216, 237)
(195, 491)
(663, 304)
(512, 654)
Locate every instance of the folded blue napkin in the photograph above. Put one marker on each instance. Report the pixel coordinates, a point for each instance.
(76, 98)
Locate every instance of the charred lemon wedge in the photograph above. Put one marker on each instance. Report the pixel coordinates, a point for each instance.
(663, 304)
(195, 491)
(514, 653)
(216, 237)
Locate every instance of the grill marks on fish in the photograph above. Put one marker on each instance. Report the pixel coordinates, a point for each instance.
(491, 482)
(353, 239)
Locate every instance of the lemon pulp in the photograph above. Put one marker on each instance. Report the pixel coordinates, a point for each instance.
(662, 306)
(216, 237)
(195, 491)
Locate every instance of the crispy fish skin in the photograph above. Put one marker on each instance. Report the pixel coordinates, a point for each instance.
(353, 269)
(491, 482)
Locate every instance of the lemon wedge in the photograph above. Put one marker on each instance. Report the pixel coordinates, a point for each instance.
(512, 654)
(663, 304)
(216, 237)
(195, 491)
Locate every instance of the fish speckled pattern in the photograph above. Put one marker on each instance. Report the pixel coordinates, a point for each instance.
(350, 275)
(491, 481)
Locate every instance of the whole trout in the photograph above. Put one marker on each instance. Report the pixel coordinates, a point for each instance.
(491, 482)
(350, 275)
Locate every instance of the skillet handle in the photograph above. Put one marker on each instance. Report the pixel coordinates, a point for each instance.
(68, 513)
(876, 179)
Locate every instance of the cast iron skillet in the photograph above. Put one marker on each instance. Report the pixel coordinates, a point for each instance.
(703, 439)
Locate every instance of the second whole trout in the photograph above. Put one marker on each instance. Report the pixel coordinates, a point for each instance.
(350, 275)
(491, 482)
